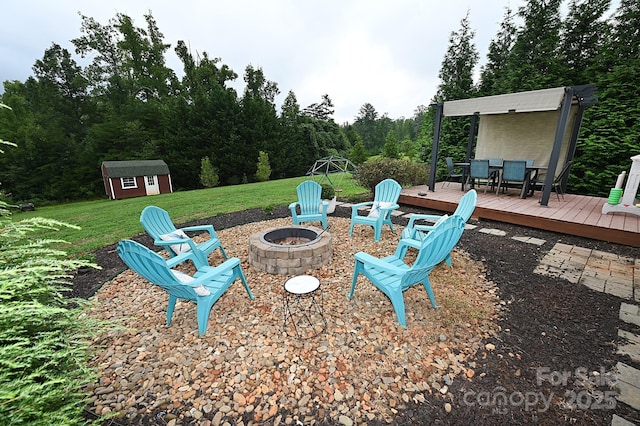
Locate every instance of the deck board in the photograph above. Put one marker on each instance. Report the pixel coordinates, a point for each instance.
(575, 215)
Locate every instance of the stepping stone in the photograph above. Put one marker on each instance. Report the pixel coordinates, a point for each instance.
(627, 385)
(630, 313)
(632, 348)
(619, 421)
(492, 231)
(529, 240)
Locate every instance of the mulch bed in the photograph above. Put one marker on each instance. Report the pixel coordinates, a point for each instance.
(549, 330)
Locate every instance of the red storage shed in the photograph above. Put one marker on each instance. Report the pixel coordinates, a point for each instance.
(136, 178)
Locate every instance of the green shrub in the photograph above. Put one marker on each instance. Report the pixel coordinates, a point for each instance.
(208, 174)
(264, 168)
(358, 153)
(268, 209)
(43, 336)
(405, 172)
(327, 192)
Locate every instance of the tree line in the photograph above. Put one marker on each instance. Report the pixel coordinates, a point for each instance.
(537, 47)
(126, 104)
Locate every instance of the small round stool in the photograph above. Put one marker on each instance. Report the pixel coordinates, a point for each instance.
(303, 313)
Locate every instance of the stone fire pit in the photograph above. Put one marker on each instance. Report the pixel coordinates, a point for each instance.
(290, 250)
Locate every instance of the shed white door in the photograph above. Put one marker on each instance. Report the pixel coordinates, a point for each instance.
(151, 185)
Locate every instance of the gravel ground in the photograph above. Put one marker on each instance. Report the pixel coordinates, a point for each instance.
(499, 323)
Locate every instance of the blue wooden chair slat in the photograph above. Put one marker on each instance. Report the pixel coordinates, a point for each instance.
(312, 207)
(385, 200)
(203, 288)
(416, 231)
(392, 276)
(158, 224)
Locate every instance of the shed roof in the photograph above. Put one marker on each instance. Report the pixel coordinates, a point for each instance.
(117, 169)
(532, 101)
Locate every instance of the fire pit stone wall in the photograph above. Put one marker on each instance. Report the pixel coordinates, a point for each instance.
(289, 259)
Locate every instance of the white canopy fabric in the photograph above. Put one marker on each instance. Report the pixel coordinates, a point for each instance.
(522, 136)
(532, 101)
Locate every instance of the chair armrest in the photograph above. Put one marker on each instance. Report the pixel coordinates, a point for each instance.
(324, 205)
(208, 228)
(180, 258)
(358, 205)
(403, 244)
(409, 242)
(193, 254)
(423, 228)
(293, 205)
(355, 207)
(206, 273)
(391, 207)
(368, 259)
(385, 212)
(427, 217)
(167, 243)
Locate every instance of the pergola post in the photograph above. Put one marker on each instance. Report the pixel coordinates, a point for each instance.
(473, 132)
(434, 148)
(557, 145)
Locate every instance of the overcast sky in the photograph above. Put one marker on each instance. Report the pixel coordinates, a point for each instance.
(386, 53)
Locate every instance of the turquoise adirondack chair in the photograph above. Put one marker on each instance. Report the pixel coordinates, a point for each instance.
(159, 226)
(204, 288)
(312, 208)
(392, 276)
(414, 233)
(385, 200)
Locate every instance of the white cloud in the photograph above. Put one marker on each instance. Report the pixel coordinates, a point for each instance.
(386, 53)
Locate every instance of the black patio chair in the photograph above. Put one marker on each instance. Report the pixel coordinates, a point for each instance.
(451, 172)
(556, 185)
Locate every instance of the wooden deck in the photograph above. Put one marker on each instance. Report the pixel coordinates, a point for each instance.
(575, 215)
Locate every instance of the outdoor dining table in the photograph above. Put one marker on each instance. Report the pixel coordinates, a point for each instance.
(531, 176)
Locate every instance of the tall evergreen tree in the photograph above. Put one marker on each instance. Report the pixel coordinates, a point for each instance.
(323, 136)
(258, 127)
(611, 129)
(493, 73)
(322, 111)
(129, 78)
(202, 119)
(460, 60)
(289, 153)
(358, 153)
(535, 61)
(52, 112)
(456, 82)
(390, 148)
(366, 125)
(583, 36)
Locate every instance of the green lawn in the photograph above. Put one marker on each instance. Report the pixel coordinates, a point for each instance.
(106, 222)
